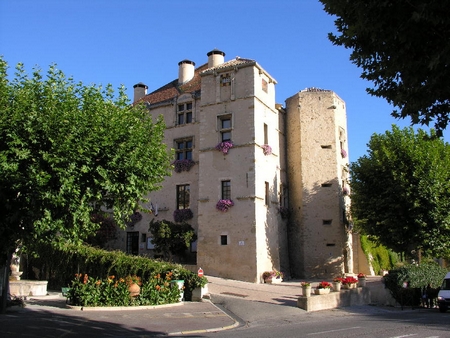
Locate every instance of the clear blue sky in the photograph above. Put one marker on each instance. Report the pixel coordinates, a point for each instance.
(131, 41)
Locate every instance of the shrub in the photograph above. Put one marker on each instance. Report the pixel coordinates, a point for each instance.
(405, 283)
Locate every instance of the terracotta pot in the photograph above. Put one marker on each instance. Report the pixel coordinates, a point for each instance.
(134, 290)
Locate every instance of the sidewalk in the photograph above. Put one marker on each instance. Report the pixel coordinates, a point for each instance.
(49, 316)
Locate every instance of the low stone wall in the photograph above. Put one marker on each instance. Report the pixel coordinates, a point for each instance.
(343, 298)
(23, 288)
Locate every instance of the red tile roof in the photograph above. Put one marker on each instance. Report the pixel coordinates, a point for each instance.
(173, 89)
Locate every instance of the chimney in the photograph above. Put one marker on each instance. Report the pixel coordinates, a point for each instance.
(140, 90)
(185, 71)
(215, 58)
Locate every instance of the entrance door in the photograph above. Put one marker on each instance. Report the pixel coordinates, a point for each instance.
(133, 243)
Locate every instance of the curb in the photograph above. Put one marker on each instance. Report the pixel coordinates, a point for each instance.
(223, 328)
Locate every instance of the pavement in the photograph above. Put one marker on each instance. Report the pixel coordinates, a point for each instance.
(229, 304)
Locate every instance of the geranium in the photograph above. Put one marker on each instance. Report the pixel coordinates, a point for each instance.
(361, 275)
(338, 280)
(180, 215)
(305, 284)
(224, 205)
(349, 280)
(343, 153)
(267, 150)
(224, 147)
(324, 285)
(183, 165)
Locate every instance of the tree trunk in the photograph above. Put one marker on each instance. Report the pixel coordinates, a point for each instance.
(5, 284)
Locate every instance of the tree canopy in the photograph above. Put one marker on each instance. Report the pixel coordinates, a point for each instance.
(402, 47)
(68, 151)
(401, 191)
(171, 238)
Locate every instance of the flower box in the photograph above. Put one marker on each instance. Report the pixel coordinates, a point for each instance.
(224, 205)
(321, 291)
(224, 147)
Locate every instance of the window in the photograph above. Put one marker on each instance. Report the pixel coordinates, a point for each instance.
(327, 222)
(225, 128)
(266, 137)
(266, 198)
(226, 190)
(184, 149)
(223, 240)
(183, 195)
(184, 113)
(264, 85)
(225, 80)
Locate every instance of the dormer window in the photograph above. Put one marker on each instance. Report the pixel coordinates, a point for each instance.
(225, 80)
(184, 113)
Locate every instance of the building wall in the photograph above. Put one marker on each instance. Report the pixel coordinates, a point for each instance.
(316, 125)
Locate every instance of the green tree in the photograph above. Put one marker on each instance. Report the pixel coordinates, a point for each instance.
(171, 238)
(402, 47)
(401, 191)
(68, 151)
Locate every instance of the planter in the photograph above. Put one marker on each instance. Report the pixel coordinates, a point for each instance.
(180, 284)
(198, 293)
(134, 290)
(362, 282)
(321, 291)
(306, 291)
(273, 280)
(337, 286)
(349, 286)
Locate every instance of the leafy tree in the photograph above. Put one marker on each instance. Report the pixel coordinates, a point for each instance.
(171, 238)
(401, 191)
(402, 47)
(68, 151)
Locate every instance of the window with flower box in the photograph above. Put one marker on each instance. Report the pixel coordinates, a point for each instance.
(225, 128)
(226, 190)
(184, 113)
(183, 196)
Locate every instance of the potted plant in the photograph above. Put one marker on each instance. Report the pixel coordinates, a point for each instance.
(337, 283)
(306, 288)
(273, 276)
(361, 279)
(349, 282)
(323, 288)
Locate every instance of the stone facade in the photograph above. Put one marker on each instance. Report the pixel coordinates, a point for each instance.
(282, 160)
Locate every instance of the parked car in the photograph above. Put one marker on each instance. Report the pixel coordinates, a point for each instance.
(444, 294)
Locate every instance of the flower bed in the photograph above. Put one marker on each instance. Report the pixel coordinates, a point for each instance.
(112, 291)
